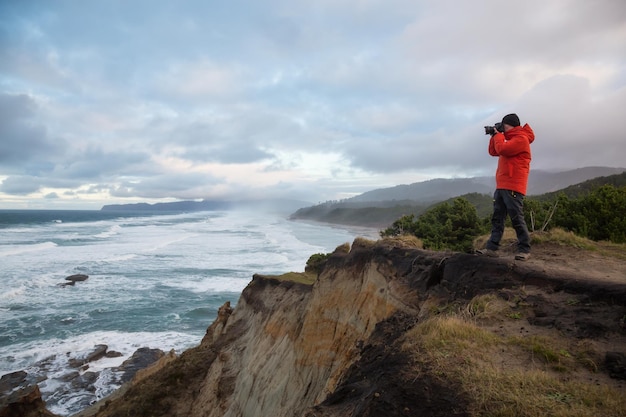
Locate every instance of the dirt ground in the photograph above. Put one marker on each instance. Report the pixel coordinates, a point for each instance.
(608, 263)
(591, 318)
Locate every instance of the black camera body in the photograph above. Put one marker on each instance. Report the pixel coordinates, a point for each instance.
(491, 130)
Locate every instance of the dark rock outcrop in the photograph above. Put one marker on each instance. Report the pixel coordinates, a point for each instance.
(20, 395)
(73, 279)
(21, 401)
(99, 352)
(77, 278)
(141, 359)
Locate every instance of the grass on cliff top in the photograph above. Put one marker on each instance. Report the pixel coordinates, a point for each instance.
(508, 376)
(558, 236)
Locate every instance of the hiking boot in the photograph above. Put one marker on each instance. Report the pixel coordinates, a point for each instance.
(522, 256)
(487, 252)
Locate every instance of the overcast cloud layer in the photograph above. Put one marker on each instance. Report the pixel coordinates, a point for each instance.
(121, 101)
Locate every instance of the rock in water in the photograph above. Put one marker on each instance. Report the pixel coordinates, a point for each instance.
(142, 358)
(77, 278)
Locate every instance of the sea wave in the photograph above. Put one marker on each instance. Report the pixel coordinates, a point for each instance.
(110, 232)
(212, 285)
(10, 250)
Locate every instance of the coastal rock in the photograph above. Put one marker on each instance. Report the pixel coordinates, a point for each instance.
(9, 381)
(113, 354)
(141, 359)
(85, 381)
(18, 380)
(99, 352)
(19, 392)
(154, 367)
(77, 278)
(73, 279)
(21, 402)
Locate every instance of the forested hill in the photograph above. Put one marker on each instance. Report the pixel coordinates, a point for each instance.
(583, 188)
(378, 213)
(539, 182)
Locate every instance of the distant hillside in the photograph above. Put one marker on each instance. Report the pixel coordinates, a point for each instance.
(173, 206)
(429, 191)
(365, 210)
(579, 190)
(539, 182)
(283, 206)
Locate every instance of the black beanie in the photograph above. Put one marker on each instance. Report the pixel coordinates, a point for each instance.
(511, 120)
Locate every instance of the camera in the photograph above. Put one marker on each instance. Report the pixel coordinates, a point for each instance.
(491, 130)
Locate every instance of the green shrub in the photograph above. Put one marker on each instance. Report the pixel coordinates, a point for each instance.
(444, 227)
(316, 262)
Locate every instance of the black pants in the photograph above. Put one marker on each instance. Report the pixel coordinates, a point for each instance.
(511, 203)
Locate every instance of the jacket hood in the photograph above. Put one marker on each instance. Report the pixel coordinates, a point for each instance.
(525, 130)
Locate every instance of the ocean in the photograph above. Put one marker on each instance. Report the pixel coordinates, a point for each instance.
(155, 280)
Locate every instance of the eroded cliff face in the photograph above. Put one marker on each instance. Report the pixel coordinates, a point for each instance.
(291, 349)
(285, 346)
(297, 340)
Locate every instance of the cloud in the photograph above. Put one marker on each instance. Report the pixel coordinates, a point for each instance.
(111, 101)
(198, 80)
(575, 128)
(28, 184)
(25, 145)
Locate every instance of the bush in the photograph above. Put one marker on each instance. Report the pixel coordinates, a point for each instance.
(445, 226)
(316, 262)
(599, 215)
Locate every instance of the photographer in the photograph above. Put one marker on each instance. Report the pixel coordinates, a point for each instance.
(510, 142)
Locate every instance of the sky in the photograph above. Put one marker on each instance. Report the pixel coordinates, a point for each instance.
(112, 102)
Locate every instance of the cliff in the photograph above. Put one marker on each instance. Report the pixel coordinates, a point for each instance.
(354, 343)
(388, 329)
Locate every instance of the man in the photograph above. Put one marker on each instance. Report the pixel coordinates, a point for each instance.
(512, 147)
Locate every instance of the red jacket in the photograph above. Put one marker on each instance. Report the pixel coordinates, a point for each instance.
(513, 150)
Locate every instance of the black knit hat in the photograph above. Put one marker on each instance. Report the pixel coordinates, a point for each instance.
(511, 120)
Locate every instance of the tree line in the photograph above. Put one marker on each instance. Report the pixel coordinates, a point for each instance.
(598, 215)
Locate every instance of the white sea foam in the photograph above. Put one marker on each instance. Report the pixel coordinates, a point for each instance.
(111, 231)
(12, 293)
(51, 356)
(212, 285)
(19, 249)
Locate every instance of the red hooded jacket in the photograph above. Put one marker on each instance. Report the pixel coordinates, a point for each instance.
(513, 150)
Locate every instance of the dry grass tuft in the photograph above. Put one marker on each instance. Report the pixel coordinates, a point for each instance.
(344, 248)
(410, 241)
(508, 237)
(486, 307)
(361, 242)
(494, 375)
(564, 238)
